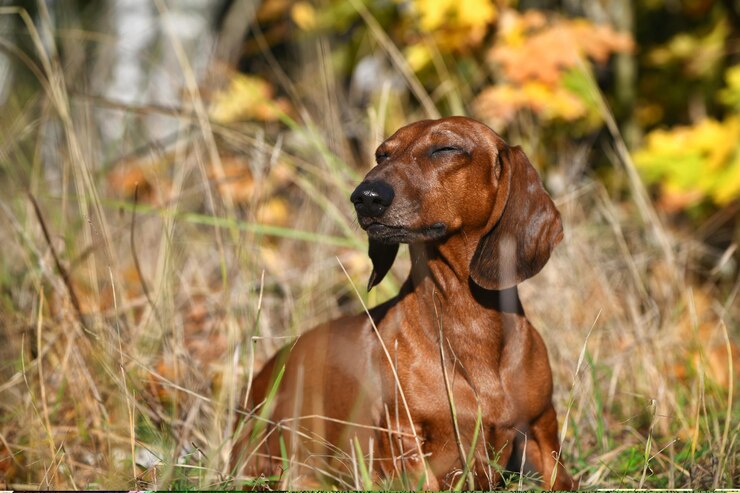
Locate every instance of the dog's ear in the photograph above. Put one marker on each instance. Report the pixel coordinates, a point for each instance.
(526, 231)
(382, 256)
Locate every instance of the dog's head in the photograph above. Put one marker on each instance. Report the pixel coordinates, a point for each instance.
(438, 178)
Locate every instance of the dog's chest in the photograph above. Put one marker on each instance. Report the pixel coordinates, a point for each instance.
(473, 368)
(476, 372)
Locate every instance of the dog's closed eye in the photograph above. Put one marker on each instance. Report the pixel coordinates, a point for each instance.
(381, 156)
(446, 150)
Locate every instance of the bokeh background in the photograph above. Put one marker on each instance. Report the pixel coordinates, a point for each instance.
(175, 178)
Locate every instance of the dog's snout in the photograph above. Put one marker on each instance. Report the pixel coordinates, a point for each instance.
(372, 198)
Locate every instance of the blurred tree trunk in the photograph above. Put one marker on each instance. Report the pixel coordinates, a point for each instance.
(237, 18)
(145, 68)
(732, 47)
(6, 61)
(622, 14)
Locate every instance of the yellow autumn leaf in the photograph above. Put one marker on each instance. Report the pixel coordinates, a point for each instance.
(730, 95)
(455, 23)
(432, 13)
(728, 188)
(475, 13)
(692, 163)
(246, 97)
(418, 56)
(553, 102)
(513, 26)
(304, 15)
(500, 103)
(274, 211)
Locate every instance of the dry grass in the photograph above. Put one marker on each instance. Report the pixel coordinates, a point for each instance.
(129, 329)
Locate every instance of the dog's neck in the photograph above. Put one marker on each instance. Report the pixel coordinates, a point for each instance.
(437, 274)
(441, 292)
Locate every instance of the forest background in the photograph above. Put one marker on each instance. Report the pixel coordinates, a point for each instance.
(175, 179)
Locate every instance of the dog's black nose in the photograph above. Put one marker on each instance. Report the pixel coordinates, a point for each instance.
(372, 198)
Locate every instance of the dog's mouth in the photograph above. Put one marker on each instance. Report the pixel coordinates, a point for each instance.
(400, 234)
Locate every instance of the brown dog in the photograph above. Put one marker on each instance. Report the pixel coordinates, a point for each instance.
(447, 383)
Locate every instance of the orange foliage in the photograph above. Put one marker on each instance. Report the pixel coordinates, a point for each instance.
(543, 66)
(247, 97)
(530, 49)
(144, 173)
(237, 180)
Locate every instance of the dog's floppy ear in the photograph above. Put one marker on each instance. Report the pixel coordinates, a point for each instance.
(529, 226)
(382, 256)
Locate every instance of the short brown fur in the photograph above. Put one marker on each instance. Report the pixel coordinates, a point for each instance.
(455, 176)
